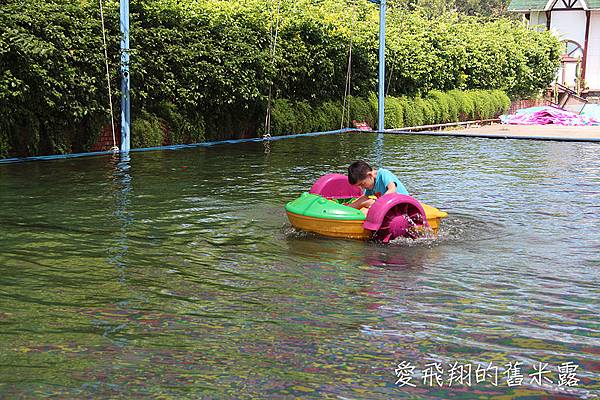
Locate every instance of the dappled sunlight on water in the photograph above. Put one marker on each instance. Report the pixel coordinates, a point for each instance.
(177, 274)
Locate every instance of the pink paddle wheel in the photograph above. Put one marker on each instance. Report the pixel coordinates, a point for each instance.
(395, 215)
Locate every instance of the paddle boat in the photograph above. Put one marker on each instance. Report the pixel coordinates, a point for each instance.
(324, 210)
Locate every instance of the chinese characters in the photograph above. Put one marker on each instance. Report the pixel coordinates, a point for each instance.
(512, 374)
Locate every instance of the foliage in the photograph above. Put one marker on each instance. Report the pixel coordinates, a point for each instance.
(204, 69)
(149, 131)
(179, 129)
(452, 52)
(468, 7)
(50, 67)
(290, 117)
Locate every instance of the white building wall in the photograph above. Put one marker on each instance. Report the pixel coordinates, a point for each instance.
(568, 75)
(592, 73)
(569, 25)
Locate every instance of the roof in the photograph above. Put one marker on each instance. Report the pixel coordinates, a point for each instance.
(527, 5)
(546, 5)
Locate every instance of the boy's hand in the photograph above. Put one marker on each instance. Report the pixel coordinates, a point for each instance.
(362, 201)
(368, 203)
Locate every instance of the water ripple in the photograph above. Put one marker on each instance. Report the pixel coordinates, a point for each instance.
(177, 274)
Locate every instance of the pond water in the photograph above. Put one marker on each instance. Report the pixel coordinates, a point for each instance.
(177, 274)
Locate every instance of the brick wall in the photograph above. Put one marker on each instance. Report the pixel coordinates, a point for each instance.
(105, 142)
(516, 105)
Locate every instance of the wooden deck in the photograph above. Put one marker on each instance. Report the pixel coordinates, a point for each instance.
(532, 132)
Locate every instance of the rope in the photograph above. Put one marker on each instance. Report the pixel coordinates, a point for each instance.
(347, 87)
(273, 47)
(389, 81)
(348, 84)
(112, 115)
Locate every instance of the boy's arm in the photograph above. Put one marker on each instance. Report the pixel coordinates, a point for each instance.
(391, 188)
(358, 203)
(393, 184)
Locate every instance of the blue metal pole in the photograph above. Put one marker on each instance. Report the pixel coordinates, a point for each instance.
(125, 84)
(381, 105)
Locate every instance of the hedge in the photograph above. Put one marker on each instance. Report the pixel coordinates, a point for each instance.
(290, 117)
(204, 68)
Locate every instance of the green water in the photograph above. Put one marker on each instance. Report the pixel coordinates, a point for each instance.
(176, 274)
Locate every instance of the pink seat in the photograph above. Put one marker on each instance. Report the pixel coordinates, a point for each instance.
(335, 186)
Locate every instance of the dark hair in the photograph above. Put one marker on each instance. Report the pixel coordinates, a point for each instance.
(357, 171)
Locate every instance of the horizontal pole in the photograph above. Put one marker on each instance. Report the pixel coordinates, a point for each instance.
(446, 125)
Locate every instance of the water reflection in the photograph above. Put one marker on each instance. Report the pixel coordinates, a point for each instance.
(123, 192)
(379, 149)
(396, 257)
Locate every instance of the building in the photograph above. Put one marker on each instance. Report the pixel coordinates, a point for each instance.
(577, 24)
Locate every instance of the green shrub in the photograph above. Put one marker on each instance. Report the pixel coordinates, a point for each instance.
(4, 143)
(373, 108)
(304, 117)
(394, 113)
(180, 130)
(463, 105)
(426, 110)
(442, 107)
(469, 99)
(146, 131)
(283, 118)
(484, 104)
(320, 119)
(332, 112)
(503, 101)
(436, 109)
(453, 108)
(488, 104)
(298, 117)
(412, 116)
(360, 110)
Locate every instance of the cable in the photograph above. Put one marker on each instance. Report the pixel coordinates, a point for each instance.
(267, 134)
(112, 116)
(348, 85)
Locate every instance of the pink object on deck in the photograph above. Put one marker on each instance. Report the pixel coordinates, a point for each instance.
(361, 125)
(549, 115)
(335, 186)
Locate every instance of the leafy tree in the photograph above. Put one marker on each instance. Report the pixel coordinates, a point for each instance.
(204, 68)
(434, 8)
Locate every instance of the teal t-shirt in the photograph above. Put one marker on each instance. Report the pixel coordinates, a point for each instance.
(384, 177)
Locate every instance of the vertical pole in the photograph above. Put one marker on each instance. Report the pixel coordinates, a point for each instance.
(585, 47)
(381, 105)
(125, 85)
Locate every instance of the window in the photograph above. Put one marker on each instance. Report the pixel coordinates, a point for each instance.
(572, 49)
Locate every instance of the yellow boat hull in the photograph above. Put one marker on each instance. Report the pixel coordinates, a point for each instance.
(353, 229)
(434, 217)
(330, 227)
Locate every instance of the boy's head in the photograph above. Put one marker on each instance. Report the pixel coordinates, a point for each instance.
(361, 174)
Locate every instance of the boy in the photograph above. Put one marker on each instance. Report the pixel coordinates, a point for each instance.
(375, 182)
